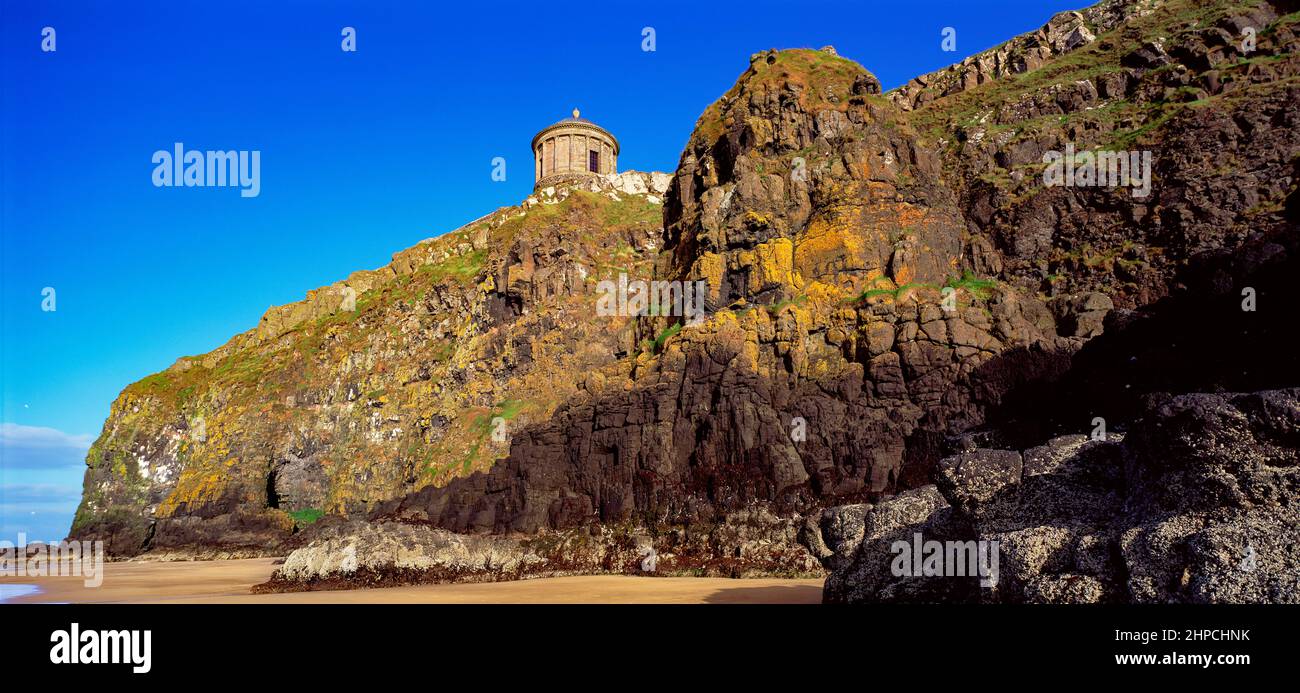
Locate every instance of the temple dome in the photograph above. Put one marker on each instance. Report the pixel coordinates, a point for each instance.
(573, 149)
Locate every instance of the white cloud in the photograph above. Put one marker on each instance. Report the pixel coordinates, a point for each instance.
(38, 494)
(12, 434)
(39, 447)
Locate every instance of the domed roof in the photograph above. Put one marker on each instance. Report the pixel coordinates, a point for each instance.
(576, 120)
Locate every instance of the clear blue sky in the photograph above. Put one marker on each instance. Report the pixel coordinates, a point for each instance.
(362, 154)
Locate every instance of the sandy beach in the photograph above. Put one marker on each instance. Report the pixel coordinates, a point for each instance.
(228, 582)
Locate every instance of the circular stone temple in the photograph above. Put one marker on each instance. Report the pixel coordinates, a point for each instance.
(573, 149)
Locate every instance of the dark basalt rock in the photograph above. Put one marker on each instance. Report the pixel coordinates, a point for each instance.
(1195, 504)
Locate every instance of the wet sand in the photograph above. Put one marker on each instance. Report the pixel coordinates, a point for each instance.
(228, 582)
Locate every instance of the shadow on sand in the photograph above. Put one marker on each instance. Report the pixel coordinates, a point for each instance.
(783, 594)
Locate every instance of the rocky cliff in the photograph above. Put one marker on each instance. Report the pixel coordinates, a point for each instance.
(889, 283)
(375, 386)
(1207, 88)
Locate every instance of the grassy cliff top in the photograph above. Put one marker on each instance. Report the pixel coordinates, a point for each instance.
(822, 80)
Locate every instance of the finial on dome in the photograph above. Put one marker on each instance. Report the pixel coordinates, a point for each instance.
(575, 113)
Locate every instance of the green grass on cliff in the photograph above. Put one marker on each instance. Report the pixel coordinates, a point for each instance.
(896, 292)
(972, 285)
(175, 389)
(629, 211)
(480, 427)
(461, 268)
(968, 282)
(306, 516)
(1131, 122)
(656, 345)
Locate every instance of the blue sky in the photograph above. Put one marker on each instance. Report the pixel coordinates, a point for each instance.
(362, 154)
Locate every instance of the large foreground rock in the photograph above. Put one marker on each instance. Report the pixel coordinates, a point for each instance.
(357, 553)
(1196, 504)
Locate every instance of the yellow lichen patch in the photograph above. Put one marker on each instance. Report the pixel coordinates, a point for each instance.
(757, 219)
(775, 264)
(909, 215)
(822, 294)
(194, 487)
(710, 267)
(825, 247)
(723, 319)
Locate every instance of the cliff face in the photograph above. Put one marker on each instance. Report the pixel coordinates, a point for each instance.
(1210, 91)
(826, 237)
(888, 282)
(1189, 503)
(1169, 78)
